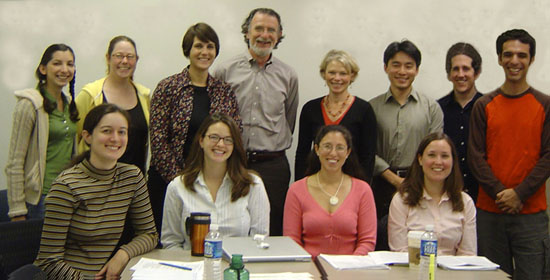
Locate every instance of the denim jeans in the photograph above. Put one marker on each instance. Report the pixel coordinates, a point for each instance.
(36, 211)
(520, 244)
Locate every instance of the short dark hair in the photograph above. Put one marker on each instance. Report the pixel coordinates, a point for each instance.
(246, 24)
(517, 34)
(202, 31)
(405, 46)
(351, 167)
(412, 187)
(467, 50)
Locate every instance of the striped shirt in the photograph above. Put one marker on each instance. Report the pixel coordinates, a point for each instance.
(85, 214)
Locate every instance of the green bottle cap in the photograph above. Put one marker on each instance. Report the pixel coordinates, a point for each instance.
(237, 261)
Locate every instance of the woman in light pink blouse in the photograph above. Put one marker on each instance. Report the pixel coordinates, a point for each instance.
(432, 194)
(331, 210)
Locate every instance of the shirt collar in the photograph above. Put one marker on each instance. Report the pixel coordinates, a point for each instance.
(426, 196)
(449, 99)
(200, 180)
(388, 95)
(251, 59)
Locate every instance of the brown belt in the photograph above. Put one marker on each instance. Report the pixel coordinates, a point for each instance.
(400, 171)
(259, 156)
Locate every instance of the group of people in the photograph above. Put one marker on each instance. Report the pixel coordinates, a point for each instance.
(366, 172)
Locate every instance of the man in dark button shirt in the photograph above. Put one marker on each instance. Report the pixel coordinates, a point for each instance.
(463, 65)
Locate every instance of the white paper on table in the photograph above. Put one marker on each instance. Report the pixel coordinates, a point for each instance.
(342, 262)
(152, 269)
(388, 257)
(466, 263)
(282, 276)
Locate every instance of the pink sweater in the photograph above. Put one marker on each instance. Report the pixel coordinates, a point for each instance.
(351, 229)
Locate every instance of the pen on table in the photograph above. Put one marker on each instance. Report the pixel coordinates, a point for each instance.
(175, 265)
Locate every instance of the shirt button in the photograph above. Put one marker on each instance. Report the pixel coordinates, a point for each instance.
(461, 127)
(257, 88)
(462, 159)
(254, 103)
(461, 143)
(465, 175)
(253, 118)
(252, 133)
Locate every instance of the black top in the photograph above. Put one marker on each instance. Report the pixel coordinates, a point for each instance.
(456, 122)
(359, 120)
(138, 133)
(201, 109)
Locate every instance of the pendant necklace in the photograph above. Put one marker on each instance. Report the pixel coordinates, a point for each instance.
(333, 198)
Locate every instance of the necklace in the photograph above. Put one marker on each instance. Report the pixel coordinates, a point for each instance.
(333, 198)
(344, 104)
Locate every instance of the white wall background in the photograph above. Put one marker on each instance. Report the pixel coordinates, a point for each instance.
(312, 27)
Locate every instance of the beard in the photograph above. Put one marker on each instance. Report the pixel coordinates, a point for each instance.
(261, 52)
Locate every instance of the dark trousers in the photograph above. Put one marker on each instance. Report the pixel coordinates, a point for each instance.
(383, 193)
(518, 243)
(275, 174)
(157, 191)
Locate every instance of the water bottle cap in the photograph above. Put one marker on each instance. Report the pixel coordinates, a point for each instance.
(429, 227)
(213, 227)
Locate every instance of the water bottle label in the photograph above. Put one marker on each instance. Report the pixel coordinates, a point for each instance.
(213, 249)
(428, 247)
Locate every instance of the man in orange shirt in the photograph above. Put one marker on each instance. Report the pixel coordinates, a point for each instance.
(509, 154)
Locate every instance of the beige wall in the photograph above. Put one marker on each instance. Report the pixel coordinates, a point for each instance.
(312, 27)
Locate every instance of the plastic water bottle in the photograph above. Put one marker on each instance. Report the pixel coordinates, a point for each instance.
(236, 270)
(428, 246)
(213, 254)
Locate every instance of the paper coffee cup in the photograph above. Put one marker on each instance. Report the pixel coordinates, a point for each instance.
(414, 237)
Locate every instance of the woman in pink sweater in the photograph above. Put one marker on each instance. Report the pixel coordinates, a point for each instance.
(331, 210)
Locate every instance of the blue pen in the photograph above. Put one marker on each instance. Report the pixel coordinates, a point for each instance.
(175, 265)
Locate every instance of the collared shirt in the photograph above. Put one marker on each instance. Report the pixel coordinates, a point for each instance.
(456, 125)
(268, 100)
(456, 231)
(247, 216)
(401, 128)
(61, 134)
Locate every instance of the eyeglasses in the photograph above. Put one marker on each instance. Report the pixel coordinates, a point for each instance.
(215, 138)
(327, 148)
(121, 56)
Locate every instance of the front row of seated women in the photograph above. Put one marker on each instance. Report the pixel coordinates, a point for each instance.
(330, 211)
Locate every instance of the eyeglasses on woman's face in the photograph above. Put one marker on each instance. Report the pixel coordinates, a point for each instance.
(215, 139)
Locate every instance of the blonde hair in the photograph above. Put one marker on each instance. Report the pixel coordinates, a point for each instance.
(343, 57)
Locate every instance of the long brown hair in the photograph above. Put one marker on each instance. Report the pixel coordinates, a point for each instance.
(412, 187)
(236, 163)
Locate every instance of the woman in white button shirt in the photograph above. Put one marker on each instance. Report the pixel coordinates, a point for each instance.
(215, 180)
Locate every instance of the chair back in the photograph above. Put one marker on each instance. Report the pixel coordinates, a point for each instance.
(19, 243)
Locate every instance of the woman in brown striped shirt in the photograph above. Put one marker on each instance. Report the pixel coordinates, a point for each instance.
(88, 204)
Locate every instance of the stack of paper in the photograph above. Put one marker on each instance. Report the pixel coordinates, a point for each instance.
(167, 270)
(352, 262)
(466, 263)
(388, 257)
(281, 276)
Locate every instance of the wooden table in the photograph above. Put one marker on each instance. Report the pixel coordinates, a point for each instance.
(404, 273)
(263, 267)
